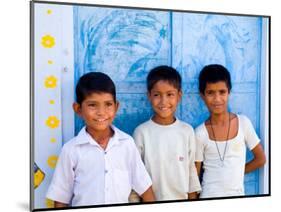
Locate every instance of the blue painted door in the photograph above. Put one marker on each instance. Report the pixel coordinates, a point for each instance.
(126, 44)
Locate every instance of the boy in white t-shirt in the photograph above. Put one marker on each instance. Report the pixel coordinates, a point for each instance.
(222, 139)
(101, 164)
(166, 144)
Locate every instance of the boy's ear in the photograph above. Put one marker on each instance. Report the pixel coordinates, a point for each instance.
(180, 94)
(117, 106)
(77, 108)
(148, 95)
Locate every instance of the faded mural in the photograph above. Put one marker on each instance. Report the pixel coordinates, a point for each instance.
(127, 43)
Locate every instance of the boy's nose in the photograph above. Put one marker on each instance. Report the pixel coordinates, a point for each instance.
(101, 111)
(217, 97)
(163, 99)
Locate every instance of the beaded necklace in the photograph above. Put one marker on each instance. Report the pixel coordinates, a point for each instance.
(225, 146)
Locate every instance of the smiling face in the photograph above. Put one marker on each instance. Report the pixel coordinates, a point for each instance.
(216, 97)
(164, 99)
(98, 111)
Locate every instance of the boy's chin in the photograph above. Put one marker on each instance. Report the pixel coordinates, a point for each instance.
(165, 117)
(100, 127)
(218, 112)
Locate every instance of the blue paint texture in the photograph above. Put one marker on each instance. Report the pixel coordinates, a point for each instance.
(127, 43)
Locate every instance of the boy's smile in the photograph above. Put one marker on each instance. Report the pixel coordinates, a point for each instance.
(164, 99)
(216, 97)
(98, 111)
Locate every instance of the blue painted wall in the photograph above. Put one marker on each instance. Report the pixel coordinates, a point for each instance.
(127, 43)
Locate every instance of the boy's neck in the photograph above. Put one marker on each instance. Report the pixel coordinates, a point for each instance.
(163, 121)
(101, 137)
(220, 119)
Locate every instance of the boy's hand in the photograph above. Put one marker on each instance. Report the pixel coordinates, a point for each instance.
(258, 161)
(148, 195)
(192, 195)
(60, 205)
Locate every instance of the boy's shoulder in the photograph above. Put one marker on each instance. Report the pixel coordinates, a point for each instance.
(242, 117)
(244, 121)
(145, 125)
(70, 144)
(184, 125)
(201, 132)
(122, 136)
(200, 127)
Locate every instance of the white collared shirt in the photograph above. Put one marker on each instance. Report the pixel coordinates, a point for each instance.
(86, 174)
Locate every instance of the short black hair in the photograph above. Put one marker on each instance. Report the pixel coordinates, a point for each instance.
(214, 73)
(94, 82)
(165, 73)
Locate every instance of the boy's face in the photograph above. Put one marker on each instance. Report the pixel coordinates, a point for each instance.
(164, 99)
(97, 110)
(216, 97)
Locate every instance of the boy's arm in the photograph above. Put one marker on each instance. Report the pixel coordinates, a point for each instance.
(198, 166)
(258, 161)
(140, 178)
(60, 205)
(194, 184)
(194, 195)
(148, 195)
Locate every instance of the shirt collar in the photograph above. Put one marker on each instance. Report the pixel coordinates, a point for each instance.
(84, 137)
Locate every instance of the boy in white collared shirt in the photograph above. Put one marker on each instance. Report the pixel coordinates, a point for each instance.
(101, 164)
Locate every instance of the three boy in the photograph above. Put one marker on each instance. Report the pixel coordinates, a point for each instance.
(101, 164)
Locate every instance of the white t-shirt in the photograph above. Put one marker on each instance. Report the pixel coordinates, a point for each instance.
(227, 178)
(86, 174)
(168, 152)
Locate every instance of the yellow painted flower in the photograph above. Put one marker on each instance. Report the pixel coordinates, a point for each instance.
(49, 12)
(48, 41)
(49, 203)
(52, 161)
(50, 62)
(51, 82)
(52, 101)
(53, 140)
(52, 122)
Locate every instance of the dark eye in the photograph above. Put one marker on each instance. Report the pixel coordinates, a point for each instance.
(92, 105)
(155, 94)
(209, 92)
(171, 94)
(223, 92)
(109, 104)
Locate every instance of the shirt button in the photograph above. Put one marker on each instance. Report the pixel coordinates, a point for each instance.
(105, 171)
(105, 153)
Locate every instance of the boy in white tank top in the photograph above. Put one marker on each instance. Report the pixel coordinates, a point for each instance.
(222, 139)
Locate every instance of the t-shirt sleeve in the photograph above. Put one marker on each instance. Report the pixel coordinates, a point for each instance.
(251, 137)
(194, 183)
(199, 154)
(140, 178)
(61, 187)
